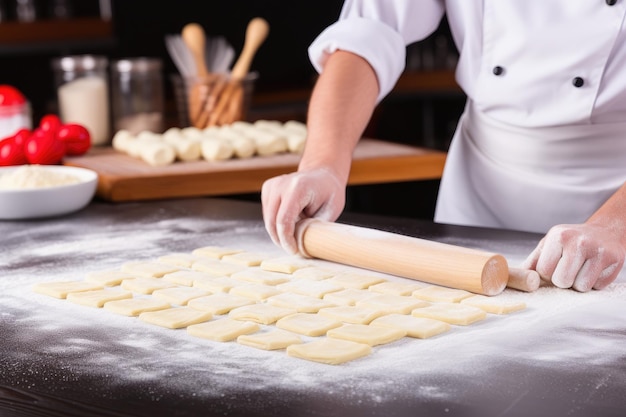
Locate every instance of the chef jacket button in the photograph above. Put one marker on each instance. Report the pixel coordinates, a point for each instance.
(611, 2)
(578, 82)
(498, 70)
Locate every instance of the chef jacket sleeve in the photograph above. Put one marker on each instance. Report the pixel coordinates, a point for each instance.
(378, 31)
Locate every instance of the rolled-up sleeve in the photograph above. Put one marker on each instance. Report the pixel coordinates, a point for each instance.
(378, 31)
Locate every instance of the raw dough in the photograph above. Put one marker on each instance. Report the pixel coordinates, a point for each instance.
(392, 303)
(175, 318)
(329, 351)
(314, 273)
(397, 288)
(216, 149)
(219, 303)
(216, 268)
(135, 306)
(356, 281)
(259, 276)
(179, 295)
(108, 278)
(245, 258)
(62, 288)
(214, 251)
(148, 269)
(307, 324)
(419, 327)
(452, 313)
(271, 340)
(222, 330)
(441, 294)
(494, 305)
(260, 313)
(256, 292)
(348, 297)
(307, 287)
(352, 314)
(287, 264)
(300, 303)
(97, 298)
(217, 284)
(184, 260)
(186, 278)
(370, 335)
(145, 285)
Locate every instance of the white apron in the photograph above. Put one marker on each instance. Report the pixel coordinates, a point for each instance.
(503, 176)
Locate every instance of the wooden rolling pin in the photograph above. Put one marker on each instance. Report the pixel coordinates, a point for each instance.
(437, 263)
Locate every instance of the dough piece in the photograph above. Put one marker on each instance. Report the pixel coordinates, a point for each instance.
(222, 330)
(108, 278)
(260, 313)
(219, 303)
(295, 141)
(269, 142)
(187, 149)
(217, 284)
(352, 314)
(245, 258)
(184, 260)
(185, 278)
(192, 132)
(370, 335)
(356, 281)
(329, 351)
(452, 313)
(148, 269)
(62, 288)
(135, 306)
(145, 285)
(295, 126)
(418, 327)
(307, 324)
(216, 268)
(179, 295)
(258, 276)
(441, 294)
(494, 305)
(121, 140)
(243, 145)
(392, 303)
(285, 264)
(175, 318)
(97, 298)
(216, 252)
(270, 125)
(316, 289)
(348, 297)
(272, 340)
(397, 288)
(157, 153)
(300, 303)
(215, 149)
(314, 273)
(173, 134)
(256, 292)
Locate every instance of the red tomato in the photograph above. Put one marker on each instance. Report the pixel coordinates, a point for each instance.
(50, 122)
(76, 138)
(11, 153)
(10, 96)
(44, 148)
(20, 137)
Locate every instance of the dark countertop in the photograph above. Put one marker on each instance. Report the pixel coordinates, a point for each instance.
(562, 356)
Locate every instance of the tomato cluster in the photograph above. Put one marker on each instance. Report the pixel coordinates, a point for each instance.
(45, 145)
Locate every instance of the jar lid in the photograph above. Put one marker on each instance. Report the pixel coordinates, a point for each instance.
(141, 64)
(80, 62)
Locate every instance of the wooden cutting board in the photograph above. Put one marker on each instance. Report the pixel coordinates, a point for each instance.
(124, 178)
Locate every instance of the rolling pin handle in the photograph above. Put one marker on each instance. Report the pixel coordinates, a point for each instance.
(301, 228)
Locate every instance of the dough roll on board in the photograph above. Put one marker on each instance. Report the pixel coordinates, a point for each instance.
(437, 263)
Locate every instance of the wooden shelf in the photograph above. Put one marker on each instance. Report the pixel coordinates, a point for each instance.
(17, 33)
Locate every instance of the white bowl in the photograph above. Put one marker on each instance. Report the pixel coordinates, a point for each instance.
(48, 201)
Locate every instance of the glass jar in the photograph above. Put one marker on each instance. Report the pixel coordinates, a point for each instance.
(137, 95)
(83, 94)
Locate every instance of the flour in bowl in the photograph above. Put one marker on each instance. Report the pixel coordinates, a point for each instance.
(34, 176)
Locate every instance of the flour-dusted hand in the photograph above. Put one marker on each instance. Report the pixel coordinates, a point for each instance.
(579, 256)
(289, 198)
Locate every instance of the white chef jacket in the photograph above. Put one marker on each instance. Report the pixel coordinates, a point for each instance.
(536, 69)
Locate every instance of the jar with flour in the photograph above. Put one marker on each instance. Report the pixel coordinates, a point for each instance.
(83, 94)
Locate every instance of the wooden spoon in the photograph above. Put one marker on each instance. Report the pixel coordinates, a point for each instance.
(195, 39)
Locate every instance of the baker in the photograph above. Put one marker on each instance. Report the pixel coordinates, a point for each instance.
(540, 146)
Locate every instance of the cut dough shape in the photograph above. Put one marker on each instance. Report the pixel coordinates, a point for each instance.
(245, 258)
(329, 351)
(300, 303)
(62, 288)
(397, 288)
(256, 292)
(285, 264)
(215, 252)
(219, 303)
(356, 281)
(390, 304)
(348, 297)
(441, 294)
(108, 278)
(97, 298)
(135, 306)
(216, 268)
(259, 276)
(418, 327)
(148, 269)
(179, 295)
(145, 285)
(352, 314)
(186, 278)
(314, 273)
(311, 288)
(184, 260)
(260, 313)
(307, 324)
(217, 284)
(215, 149)
(370, 335)
(175, 318)
(494, 305)
(272, 340)
(222, 330)
(452, 313)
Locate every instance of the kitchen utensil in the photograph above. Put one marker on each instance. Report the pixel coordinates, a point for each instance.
(180, 55)
(194, 37)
